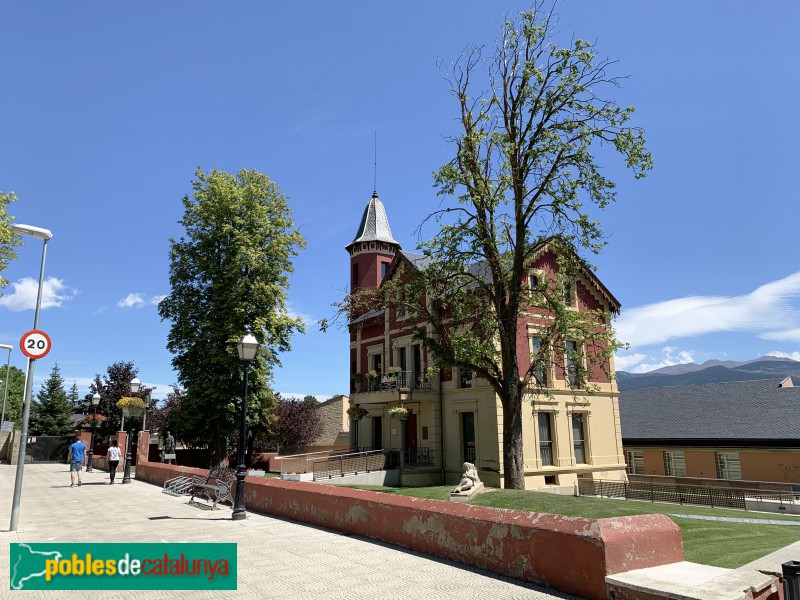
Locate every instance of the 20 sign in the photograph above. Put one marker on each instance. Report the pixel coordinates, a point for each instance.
(35, 344)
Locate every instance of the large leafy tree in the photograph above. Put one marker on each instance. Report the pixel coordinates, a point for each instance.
(297, 424)
(52, 414)
(8, 240)
(533, 118)
(16, 391)
(113, 386)
(228, 274)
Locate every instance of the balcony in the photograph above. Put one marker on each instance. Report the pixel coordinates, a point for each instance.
(387, 382)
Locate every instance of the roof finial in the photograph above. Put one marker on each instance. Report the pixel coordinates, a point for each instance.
(375, 169)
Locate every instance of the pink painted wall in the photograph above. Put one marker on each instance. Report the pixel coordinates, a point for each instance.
(571, 554)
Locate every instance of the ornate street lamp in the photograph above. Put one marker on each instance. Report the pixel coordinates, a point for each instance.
(128, 412)
(247, 351)
(45, 235)
(95, 402)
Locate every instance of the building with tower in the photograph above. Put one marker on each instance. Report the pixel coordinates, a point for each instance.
(455, 417)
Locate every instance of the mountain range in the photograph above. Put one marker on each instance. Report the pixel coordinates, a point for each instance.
(711, 371)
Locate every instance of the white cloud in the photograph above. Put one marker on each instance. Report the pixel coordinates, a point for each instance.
(768, 308)
(132, 300)
(622, 363)
(790, 335)
(138, 300)
(26, 289)
(307, 319)
(792, 355)
(669, 356)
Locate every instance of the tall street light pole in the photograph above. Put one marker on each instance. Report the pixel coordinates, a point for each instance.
(247, 351)
(126, 474)
(45, 235)
(5, 392)
(95, 402)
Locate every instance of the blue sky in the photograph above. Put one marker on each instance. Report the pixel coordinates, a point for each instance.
(108, 108)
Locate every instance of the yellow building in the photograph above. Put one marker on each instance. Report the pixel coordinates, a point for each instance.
(456, 417)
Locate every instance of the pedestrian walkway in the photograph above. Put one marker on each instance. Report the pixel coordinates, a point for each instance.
(738, 520)
(277, 558)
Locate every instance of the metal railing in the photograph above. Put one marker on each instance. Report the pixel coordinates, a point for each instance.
(402, 380)
(303, 463)
(704, 495)
(350, 464)
(418, 457)
(771, 486)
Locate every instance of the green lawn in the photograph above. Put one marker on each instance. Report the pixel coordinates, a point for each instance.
(716, 543)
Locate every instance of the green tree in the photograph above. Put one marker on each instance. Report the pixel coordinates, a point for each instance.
(74, 397)
(16, 391)
(8, 239)
(533, 116)
(112, 386)
(228, 275)
(52, 414)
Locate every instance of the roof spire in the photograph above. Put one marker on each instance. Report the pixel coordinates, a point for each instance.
(375, 169)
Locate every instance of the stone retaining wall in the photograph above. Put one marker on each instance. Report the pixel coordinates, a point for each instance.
(571, 554)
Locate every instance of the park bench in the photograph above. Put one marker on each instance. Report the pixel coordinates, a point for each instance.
(215, 487)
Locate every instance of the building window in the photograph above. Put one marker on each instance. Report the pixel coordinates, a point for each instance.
(569, 292)
(401, 309)
(539, 362)
(728, 466)
(579, 438)
(468, 436)
(384, 269)
(377, 433)
(546, 437)
(533, 281)
(465, 378)
(634, 461)
(674, 464)
(355, 275)
(377, 361)
(572, 362)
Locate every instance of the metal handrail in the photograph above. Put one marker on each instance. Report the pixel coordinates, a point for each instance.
(300, 463)
(350, 463)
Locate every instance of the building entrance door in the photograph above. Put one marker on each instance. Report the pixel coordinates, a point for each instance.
(468, 436)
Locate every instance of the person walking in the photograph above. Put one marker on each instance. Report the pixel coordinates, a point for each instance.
(76, 458)
(113, 456)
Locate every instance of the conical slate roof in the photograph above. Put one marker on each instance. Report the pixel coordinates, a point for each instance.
(374, 224)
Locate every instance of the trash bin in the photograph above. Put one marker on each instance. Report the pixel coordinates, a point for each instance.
(791, 580)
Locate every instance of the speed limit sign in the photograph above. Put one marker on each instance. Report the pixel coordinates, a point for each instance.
(35, 344)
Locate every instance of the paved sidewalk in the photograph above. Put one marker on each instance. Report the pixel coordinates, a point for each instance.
(277, 558)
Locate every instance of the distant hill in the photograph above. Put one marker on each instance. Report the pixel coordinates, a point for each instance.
(712, 371)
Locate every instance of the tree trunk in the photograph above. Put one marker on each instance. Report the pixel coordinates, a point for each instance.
(513, 464)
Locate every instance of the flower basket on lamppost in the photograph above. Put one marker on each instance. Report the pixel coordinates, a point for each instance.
(131, 407)
(399, 412)
(356, 413)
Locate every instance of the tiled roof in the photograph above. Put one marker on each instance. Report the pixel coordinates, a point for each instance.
(374, 225)
(740, 410)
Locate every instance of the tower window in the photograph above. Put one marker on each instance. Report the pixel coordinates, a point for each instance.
(355, 275)
(384, 269)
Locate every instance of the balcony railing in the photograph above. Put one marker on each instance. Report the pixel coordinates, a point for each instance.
(401, 380)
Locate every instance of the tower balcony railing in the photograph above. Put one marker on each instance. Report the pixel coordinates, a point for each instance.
(388, 381)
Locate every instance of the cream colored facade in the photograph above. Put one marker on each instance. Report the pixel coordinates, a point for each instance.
(455, 418)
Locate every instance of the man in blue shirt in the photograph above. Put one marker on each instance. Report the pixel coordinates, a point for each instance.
(76, 458)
